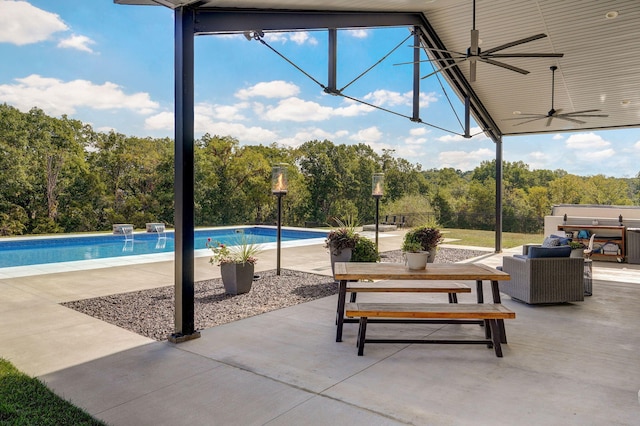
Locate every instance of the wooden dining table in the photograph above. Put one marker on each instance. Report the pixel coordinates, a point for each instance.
(354, 271)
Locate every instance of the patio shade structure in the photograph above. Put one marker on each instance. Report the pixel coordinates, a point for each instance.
(599, 70)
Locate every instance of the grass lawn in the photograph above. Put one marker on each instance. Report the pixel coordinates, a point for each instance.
(471, 237)
(27, 401)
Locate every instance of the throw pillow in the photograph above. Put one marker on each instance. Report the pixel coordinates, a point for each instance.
(563, 240)
(551, 242)
(538, 252)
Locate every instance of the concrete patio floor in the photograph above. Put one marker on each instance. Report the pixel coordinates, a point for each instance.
(576, 364)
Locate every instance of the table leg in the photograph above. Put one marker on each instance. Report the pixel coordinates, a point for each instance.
(495, 290)
(342, 295)
(479, 291)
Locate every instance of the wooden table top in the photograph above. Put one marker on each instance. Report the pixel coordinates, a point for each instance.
(434, 271)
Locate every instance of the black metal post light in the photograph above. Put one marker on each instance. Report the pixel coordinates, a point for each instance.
(279, 187)
(377, 184)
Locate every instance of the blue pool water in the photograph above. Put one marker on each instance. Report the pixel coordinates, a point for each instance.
(64, 249)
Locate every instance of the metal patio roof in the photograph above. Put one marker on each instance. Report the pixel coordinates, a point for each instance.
(600, 69)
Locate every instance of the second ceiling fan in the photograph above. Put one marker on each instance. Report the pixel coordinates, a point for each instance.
(556, 113)
(474, 54)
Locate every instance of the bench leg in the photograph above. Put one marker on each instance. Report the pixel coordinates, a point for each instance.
(362, 331)
(453, 298)
(342, 295)
(495, 289)
(353, 297)
(495, 337)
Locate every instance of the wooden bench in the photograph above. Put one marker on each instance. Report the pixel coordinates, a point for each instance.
(489, 313)
(410, 286)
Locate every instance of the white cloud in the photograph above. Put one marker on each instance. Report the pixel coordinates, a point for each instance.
(419, 131)
(353, 109)
(358, 33)
(21, 23)
(221, 112)
(415, 141)
(205, 124)
(78, 42)
(476, 131)
(296, 109)
(387, 97)
(537, 155)
(636, 146)
(241, 132)
(464, 160)
(105, 129)
(390, 98)
(310, 134)
(302, 37)
(298, 37)
(584, 141)
(368, 135)
(269, 89)
(596, 156)
(160, 121)
(57, 97)
(558, 137)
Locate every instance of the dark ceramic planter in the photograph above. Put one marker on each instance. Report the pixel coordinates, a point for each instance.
(237, 277)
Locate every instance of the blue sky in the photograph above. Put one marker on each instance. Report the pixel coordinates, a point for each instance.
(112, 66)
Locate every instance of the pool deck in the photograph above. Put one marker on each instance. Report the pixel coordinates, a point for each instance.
(571, 364)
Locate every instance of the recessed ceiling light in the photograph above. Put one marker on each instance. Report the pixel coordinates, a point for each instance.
(611, 14)
(625, 102)
(516, 112)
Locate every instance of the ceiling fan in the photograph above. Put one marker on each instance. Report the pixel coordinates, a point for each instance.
(553, 113)
(475, 54)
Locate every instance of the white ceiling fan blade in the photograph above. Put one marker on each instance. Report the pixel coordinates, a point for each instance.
(503, 65)
(529, 121)
(583, 111)
(585, 115)
(563, 117)
(430, 49)
(442, 69)
(430, 60)
(531, 116)
(515, 43)
(549, 120)
(523, 55)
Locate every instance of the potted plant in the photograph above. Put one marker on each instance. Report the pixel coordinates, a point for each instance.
(341, 242)
(427, 237)
(237, 264)
(577, 249)
(364, 251)
(415, 257)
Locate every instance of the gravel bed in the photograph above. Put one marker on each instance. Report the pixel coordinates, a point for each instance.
(150, 312)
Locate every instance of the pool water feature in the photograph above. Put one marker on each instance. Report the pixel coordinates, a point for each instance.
(45, 250)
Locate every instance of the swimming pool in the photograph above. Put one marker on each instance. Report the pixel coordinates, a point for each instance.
(43, 250)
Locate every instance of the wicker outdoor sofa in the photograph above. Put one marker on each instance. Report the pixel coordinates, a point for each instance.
(536, 280)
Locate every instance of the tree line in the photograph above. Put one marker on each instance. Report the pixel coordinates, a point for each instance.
(60, 175)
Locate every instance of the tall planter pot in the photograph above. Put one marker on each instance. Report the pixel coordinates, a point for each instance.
(237, 277)
(343, 256)
(432, 255)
